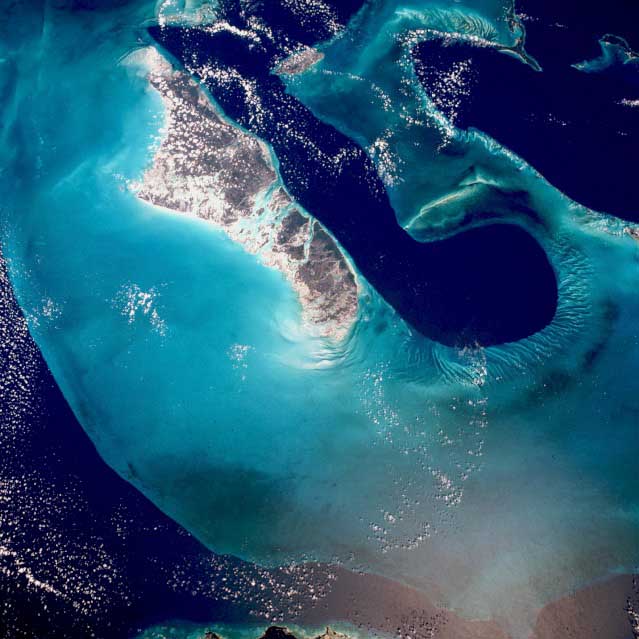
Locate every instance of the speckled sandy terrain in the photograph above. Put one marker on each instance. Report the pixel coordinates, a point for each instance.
(299, 61)
(209, 168)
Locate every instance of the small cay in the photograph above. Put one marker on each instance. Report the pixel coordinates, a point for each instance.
(299, 61)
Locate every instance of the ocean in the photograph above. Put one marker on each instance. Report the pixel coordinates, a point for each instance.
(473, 436)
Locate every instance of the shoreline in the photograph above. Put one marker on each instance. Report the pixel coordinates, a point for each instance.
(377, 606)
(213, 170)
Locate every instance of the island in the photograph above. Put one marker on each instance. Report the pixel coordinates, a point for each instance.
(210, 168)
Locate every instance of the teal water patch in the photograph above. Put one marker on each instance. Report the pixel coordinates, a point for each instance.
(366, 87)
(495, 479)
(180, 630)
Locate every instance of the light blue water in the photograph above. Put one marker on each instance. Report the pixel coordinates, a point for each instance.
(496, 479)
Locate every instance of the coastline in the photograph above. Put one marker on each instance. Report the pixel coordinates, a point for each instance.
(206, 167)
(364, 605)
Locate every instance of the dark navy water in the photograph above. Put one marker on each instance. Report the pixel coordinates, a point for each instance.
(284, 21)
(567, 31)
(489, 285)
(578, 129)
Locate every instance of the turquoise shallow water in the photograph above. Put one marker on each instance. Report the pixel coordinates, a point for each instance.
(495, 479)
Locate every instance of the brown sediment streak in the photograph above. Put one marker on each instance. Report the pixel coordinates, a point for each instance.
(603, 611)
(214, 170)
(606, 610)
(378, 604)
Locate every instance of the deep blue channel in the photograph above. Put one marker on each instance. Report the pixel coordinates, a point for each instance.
(490, 285)
(580, 130)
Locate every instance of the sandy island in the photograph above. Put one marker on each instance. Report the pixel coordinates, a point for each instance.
(207, 167)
